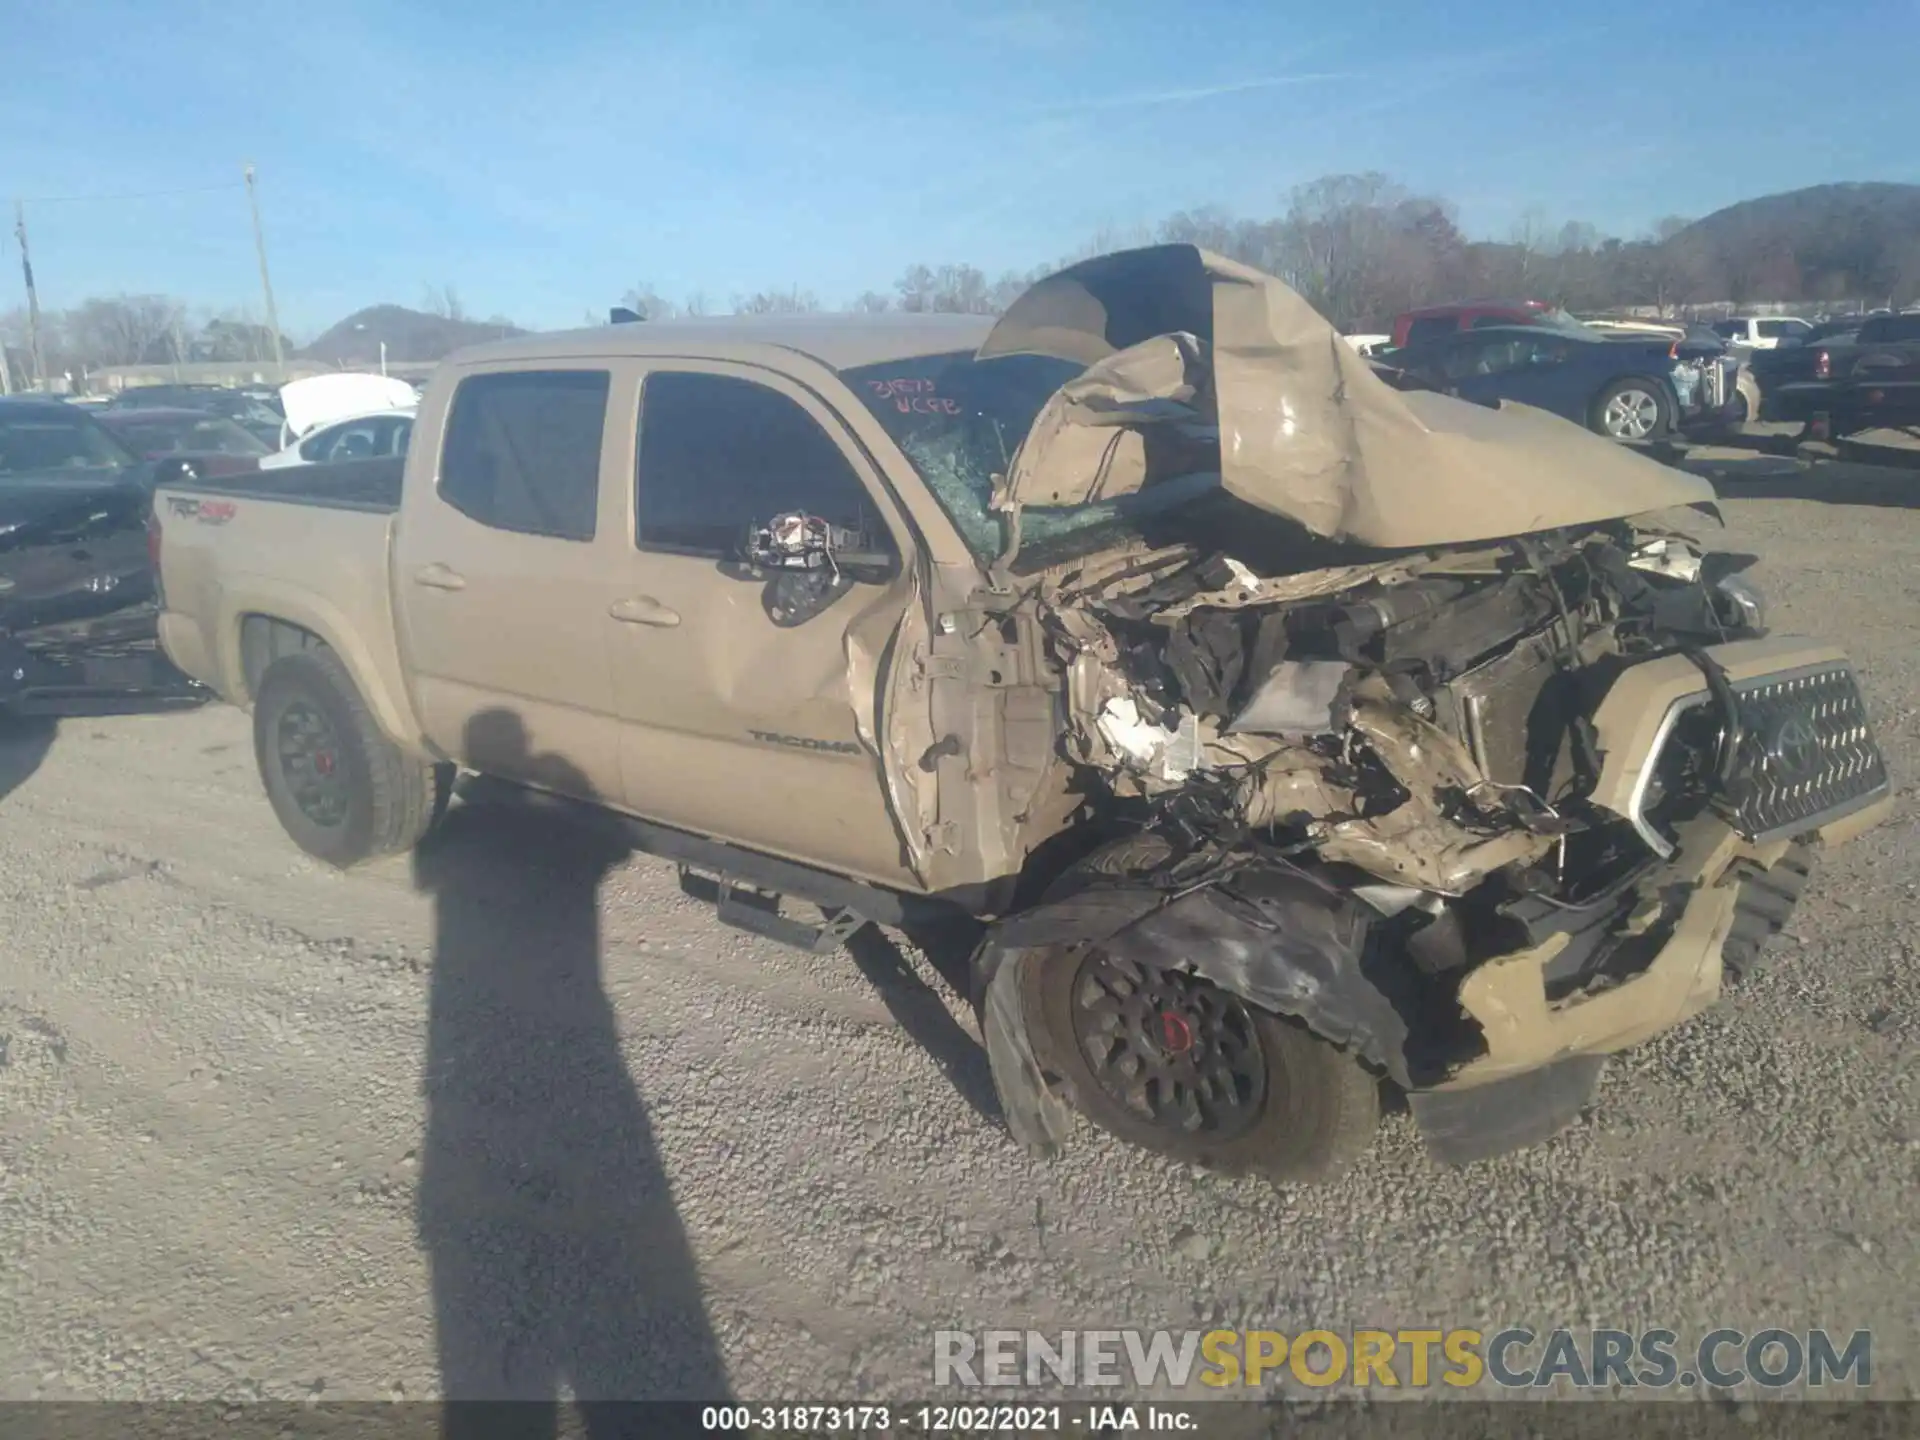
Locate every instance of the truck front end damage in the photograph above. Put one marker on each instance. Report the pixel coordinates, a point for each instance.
(1476, 812)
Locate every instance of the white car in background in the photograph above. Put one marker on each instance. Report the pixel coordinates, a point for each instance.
(347, 416)
(1763, 332)
(364, 437)
(1367, 344)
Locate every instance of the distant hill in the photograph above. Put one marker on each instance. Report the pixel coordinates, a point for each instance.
(1824, 242)
(410, 335)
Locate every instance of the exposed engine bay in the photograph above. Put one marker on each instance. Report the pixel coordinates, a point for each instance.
(1418, 724)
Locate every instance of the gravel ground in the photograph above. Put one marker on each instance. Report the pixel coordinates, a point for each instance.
(456, 1125)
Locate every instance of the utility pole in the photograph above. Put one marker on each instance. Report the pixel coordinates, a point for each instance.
(33, 295)
(266, 284)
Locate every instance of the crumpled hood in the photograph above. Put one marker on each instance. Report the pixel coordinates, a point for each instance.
(322, 399)
(1178, 339)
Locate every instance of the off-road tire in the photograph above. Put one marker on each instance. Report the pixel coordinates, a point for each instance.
(391, 798)
(1663, 408)
(1319, 1114)
(1762, 909)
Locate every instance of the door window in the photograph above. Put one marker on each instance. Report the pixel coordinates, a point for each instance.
(719, 454)
(1486, 355)
(522, 451)
(358, 440)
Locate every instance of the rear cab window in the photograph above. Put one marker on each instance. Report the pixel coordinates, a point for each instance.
(522, 451)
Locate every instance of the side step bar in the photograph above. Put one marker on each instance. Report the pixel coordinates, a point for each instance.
(746, 907)
(746, 886)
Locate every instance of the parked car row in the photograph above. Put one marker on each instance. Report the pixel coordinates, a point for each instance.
(256, 414)
(1847, 381)
(77, 613)
(1626, 383)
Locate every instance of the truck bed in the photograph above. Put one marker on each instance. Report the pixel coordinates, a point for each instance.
(338, 485)
(307, 546)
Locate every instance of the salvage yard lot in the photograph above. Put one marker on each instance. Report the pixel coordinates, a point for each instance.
(270, 1131)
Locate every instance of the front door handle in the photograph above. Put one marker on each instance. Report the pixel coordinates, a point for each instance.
(438, 577)
(644, 610)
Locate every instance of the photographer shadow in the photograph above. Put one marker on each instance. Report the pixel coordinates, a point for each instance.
(24, 743)
(559, 1262)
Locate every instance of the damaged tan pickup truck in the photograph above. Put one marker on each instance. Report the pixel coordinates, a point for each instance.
(1288, 732)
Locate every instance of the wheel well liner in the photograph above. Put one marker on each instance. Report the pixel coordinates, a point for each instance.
(263, 640)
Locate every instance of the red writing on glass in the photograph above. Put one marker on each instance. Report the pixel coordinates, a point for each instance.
(889, 389)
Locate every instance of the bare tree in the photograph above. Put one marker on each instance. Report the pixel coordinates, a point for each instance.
(125, 330)
(793, 301)
(1345, 244)
(872, 302)
(444, 301)
(648, 303)
(954, 290)
(916, 287)
(233, 336)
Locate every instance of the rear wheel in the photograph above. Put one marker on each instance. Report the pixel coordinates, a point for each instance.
(1169, 1061)
(1633, 410)
(342, 791)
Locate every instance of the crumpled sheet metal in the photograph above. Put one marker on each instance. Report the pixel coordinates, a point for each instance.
(1089, 431)
(1307, 430)
(1267, 932)
(1037, 1119)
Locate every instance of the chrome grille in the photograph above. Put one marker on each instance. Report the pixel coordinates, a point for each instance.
(1807, 753)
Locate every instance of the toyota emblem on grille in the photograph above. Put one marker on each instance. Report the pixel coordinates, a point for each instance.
(1793, 745)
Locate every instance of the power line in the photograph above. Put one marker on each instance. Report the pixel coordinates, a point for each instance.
(135, 195)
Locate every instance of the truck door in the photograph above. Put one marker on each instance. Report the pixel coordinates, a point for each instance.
(1516, 365)
(502, 577)
(736, 717)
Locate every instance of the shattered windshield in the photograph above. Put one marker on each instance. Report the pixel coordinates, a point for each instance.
(959, 420)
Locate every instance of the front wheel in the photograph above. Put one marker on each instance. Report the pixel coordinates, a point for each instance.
(1169, 1061)
(1632, 410)
(343, 792)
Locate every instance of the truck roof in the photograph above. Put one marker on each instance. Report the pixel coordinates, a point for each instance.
(838, 341)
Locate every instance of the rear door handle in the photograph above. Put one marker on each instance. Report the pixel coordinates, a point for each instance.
(438, 577)
(644, 610)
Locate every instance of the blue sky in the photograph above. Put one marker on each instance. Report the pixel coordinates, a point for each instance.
(543, 160)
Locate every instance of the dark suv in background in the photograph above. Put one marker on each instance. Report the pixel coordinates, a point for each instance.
(78, 619)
